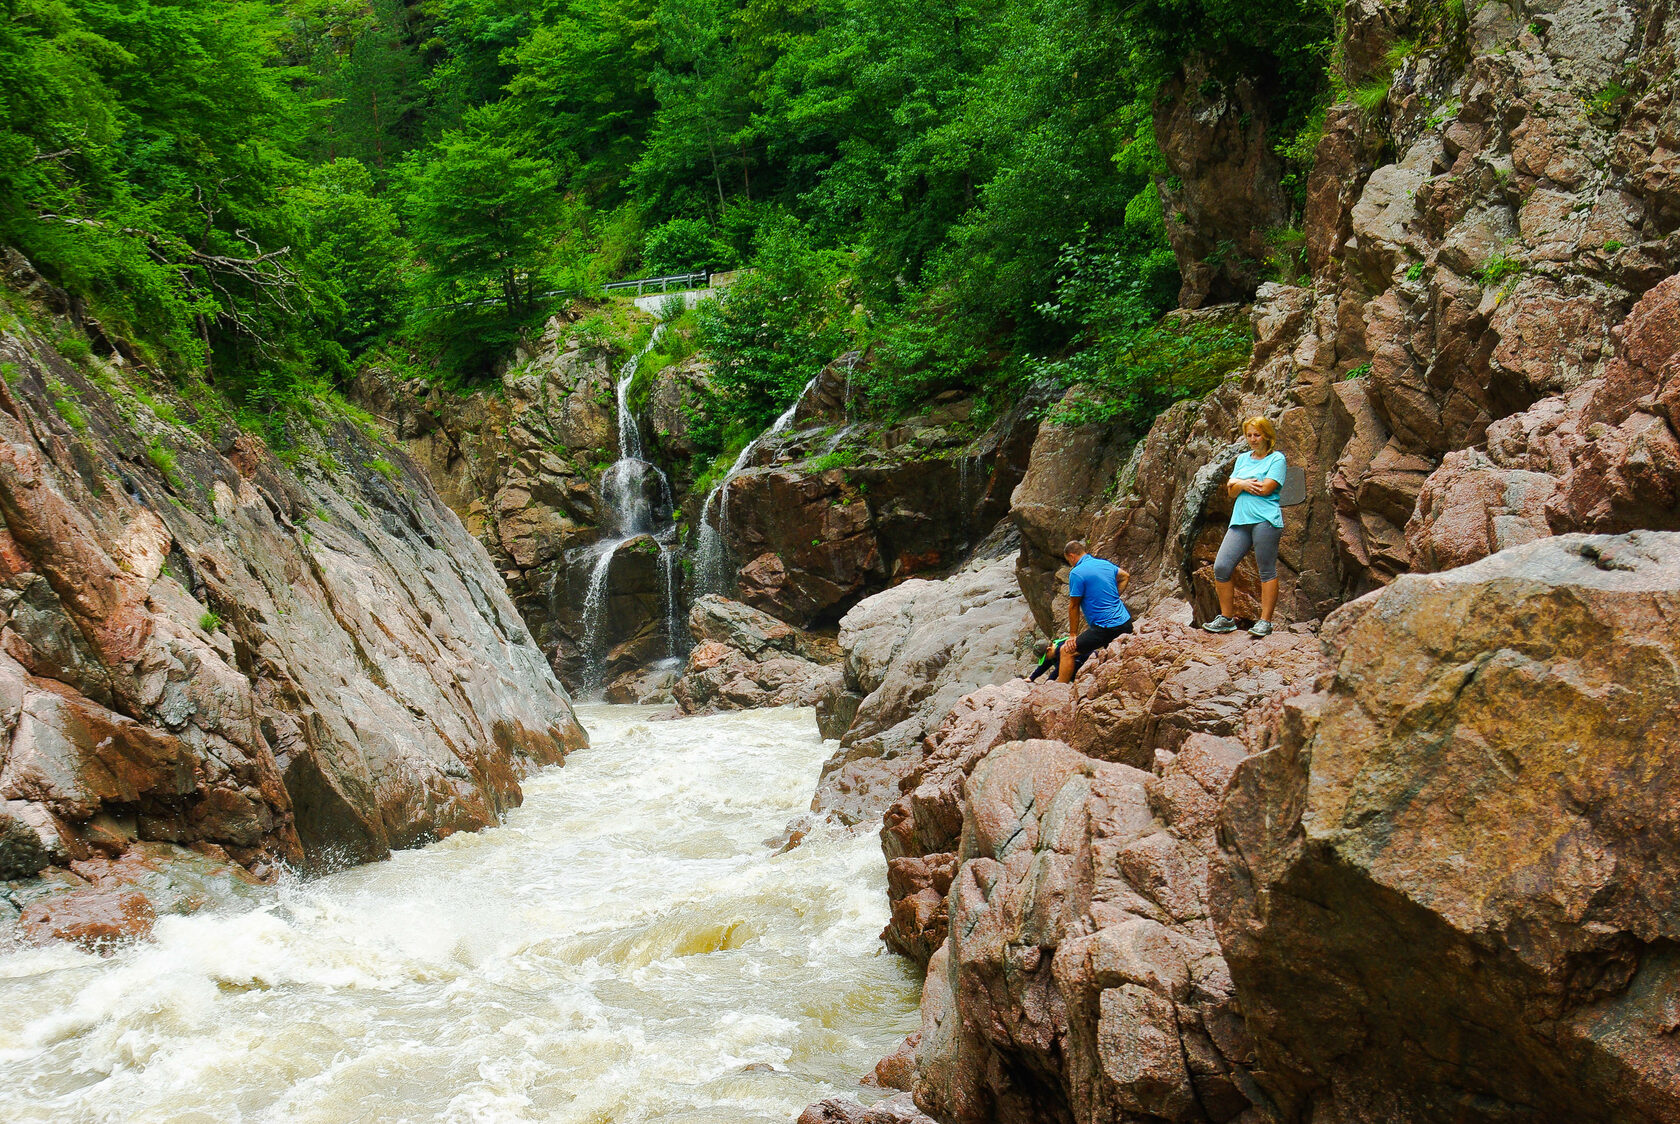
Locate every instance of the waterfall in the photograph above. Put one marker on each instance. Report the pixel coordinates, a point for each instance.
(712, 569)
(628, 514)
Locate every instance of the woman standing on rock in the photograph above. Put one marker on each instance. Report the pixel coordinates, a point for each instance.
(1256, 523)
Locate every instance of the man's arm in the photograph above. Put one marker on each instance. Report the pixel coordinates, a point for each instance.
(1073, 617)
(1122, 581)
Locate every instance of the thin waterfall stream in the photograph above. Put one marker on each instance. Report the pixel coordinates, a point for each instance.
(627, 947)
(630, 514)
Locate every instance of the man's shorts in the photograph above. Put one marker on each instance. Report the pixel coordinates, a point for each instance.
(1094, 639)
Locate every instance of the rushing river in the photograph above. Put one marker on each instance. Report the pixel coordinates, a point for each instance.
(624, 948)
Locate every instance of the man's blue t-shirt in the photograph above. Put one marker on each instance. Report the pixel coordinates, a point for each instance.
(1095, 581)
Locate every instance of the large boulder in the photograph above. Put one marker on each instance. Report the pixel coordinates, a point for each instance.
(1450, 890)
(744, 658)
(1136, 702)
(1081, 981)
(911, 653)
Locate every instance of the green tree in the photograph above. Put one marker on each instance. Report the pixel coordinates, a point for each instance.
(480, 214)
(775, 328)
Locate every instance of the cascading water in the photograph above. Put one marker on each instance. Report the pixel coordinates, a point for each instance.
(629, 514)
(624, 948)
(713, 565)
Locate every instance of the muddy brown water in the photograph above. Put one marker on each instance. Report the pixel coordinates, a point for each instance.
(624, 948)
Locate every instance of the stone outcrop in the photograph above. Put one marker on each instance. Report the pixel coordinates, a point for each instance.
(899, 1109)
(1447, 891)
(520, 464)
(1060, 894)
(911, 653)
(1605, 457)
(1224, 194)
(1472, 246)
(204, 647)
(745, 658)
(811, 537)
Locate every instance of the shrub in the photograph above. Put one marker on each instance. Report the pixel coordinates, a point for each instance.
(209, 622)
(163, 459)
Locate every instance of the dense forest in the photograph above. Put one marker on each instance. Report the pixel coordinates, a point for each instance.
(261, 195)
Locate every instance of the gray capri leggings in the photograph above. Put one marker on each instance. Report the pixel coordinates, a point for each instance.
(1263, 537)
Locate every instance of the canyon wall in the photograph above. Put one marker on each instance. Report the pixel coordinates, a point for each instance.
(1407, 859)
(203, 646)
(1473, 245)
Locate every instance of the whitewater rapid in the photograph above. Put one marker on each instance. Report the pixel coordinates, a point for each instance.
(625, 948)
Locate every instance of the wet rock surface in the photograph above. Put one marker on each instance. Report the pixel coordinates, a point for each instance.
(919, 495)
(201, 646)
(521, 465)
(744, 658)
(1445, 892)
(911, 653)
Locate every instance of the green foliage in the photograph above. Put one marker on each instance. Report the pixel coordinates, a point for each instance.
(1612, 246)
(1358, 372)
(384, 467)
(683, 245)
(839, 458)
(479, 211)
(12, 373)
(209, 622)
(1414, 272)
(1372, 96)
(163, 459)
(777, 327)
(256, 193)
(1497, 268)
(1129, 363)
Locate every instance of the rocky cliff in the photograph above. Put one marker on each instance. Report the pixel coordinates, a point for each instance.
(1467, 329)
(204, 646)
(1407, 861)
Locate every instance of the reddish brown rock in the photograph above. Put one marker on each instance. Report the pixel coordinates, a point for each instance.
(1448, 892)
(1081, 980)
(202, 645)
(96, 920)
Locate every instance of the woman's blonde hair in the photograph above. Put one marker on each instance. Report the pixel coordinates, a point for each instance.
(1266, 428)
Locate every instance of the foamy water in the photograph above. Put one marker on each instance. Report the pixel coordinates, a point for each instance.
(623, 949)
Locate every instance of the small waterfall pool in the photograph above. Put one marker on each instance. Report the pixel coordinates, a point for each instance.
(625, 948)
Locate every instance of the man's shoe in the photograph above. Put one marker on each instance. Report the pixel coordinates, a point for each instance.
(1261, 628)
(1221, 623)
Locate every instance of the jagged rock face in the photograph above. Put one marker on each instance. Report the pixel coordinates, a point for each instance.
(919, 496)
(521, 464)
(1605, 457)
(200, 647)
(1473, 246)
(1081, 980)
(1145, 695)
(1449, 891)
(1224, 193)
(744, 658)
(911, 653)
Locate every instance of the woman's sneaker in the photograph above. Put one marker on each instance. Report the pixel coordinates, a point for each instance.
(1261, 628)
(1221, 623)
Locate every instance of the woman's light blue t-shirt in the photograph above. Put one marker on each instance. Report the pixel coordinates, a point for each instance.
(1249, 507)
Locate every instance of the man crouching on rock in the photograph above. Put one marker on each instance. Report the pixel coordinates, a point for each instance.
(1094, 589)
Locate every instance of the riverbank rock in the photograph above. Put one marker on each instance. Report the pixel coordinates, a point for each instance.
(1449, 890)
(101, 902)
(203, 645)
(744, 658)
(1081, 980)
(832, 509)
(911, 653)
(899, 1109)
